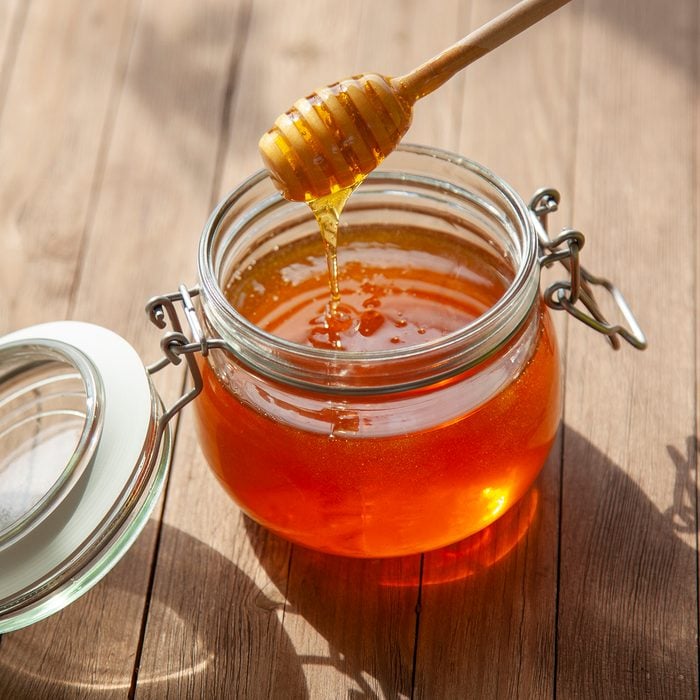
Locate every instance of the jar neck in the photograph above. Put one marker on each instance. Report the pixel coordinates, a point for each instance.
(442, 189)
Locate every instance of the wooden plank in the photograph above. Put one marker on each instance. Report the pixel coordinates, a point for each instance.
(353, 624)
(157, 188)
(11, 27)
(687, 513)
(54, 127)
(50, 136)
(12, 17)
(628, 596)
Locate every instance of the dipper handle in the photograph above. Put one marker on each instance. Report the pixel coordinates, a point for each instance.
(433, 73)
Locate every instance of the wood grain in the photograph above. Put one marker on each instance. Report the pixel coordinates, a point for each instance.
(51, 133)
(122, 122)
(161, 162)
(12, 17)
(628, 595)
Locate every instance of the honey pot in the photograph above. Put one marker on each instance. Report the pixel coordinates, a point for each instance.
(431, 409)
(416, 413)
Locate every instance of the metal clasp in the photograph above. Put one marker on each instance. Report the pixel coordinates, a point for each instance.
(175, 344)
(569, 295)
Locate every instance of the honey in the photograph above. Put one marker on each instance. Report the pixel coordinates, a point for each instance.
(382, 476)
(394, 286)
(410, 403)
(327, 210)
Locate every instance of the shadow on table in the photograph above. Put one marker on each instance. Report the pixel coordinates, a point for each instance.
(456, 613)
(627, 608)
(212, 632)
(481, 615)
(367, 610)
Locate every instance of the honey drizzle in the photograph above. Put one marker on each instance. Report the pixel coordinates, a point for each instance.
(326, 211)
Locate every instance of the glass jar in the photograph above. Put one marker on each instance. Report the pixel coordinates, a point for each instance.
(382, 452)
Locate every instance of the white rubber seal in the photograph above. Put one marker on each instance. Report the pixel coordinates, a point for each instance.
(127, 411)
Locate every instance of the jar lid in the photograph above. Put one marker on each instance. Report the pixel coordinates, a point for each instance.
(82, 463)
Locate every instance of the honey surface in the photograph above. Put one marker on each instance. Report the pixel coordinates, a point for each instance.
(395, 286)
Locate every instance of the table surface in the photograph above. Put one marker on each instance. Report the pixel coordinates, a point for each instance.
(123, 122)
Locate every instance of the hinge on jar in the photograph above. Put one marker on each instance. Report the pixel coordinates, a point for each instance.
(175, 343)
(567, 295)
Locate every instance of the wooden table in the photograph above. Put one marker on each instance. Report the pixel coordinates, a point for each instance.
(123, 122)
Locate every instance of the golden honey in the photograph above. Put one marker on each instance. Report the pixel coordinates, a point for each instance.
(413, 404)
(369, 474)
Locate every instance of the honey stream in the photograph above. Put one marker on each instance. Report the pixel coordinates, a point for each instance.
(327, 211)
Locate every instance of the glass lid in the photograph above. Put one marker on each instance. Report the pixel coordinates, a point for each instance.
(83, 458)
(51, 401)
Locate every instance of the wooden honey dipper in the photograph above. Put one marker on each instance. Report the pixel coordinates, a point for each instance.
(333, 138)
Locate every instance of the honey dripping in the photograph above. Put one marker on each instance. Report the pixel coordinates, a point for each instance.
(391, 299)
(327, 210)
(326, 143)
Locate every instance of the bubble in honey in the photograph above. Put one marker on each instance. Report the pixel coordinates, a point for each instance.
(370, 322)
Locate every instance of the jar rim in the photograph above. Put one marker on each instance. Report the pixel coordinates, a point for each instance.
(523, 287)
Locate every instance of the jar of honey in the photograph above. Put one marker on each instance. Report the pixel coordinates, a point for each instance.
(429, 410)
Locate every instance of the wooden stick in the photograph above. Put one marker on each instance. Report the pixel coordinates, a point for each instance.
(433, 73)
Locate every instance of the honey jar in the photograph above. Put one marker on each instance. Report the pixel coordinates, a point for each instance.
(419, 416)
(412, 435)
